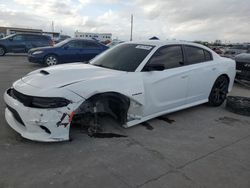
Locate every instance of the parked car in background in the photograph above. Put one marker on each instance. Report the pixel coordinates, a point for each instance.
(62, 38)
(22, 43)
(243, 66)
(114, 43)
(217, 50)
(67, 51)
(133, 82)
(236, 50)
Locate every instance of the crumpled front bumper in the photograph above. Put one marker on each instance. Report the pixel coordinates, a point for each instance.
(46, 125)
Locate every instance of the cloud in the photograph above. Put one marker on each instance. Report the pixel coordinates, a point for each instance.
(204, 19)
(183, 19)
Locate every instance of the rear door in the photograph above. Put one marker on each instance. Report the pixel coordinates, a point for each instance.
(29, 40)
(41, 41)
(89, 50)
(167, 89)
(202, 72)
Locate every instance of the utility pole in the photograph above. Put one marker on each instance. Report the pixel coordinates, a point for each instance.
(131, 34)
(52, 25)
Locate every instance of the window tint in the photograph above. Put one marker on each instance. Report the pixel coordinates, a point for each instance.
(170, 57)
(125, 57)
(18, 38)
(90, 44)
(194, 54)
(208, 56)
(74, 44)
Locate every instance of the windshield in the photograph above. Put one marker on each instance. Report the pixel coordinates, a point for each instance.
(9, 36)
(125, 57)
(62, 43)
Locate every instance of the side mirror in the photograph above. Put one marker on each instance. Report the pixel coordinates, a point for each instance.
(154, 67)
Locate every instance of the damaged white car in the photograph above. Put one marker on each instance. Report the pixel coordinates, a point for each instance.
(133, 82)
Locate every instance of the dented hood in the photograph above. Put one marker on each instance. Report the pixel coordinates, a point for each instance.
(65, 75)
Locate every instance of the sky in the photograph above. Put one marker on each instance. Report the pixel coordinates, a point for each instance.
(206, 20)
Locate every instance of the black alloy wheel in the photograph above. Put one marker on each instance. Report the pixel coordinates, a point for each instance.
(219, 91)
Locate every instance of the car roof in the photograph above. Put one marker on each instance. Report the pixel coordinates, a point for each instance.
(159, 43)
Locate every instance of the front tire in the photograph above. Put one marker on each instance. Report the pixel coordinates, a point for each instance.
(2, 51)
(219, 91)
(51, 60)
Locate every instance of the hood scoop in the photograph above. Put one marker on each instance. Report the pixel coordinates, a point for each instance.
(44, 72)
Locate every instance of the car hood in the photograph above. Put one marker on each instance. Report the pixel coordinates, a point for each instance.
(41, 48)
(65, 75)
(244, 58)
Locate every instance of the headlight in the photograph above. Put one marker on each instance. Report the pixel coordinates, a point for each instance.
(47, 102)
(38, 102)
(37, 52)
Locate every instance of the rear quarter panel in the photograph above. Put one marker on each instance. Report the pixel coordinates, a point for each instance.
(227, 66)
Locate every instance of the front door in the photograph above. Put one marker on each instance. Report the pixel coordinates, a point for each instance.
(17, 44)
(166, 89)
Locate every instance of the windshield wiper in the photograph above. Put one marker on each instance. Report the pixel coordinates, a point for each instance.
(99, 65)
(85, 62)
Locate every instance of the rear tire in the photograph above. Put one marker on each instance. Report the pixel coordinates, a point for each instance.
(2, 51)
(219, 91)
(51, 60)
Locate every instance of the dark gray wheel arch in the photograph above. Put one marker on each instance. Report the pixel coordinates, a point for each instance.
(112, 103)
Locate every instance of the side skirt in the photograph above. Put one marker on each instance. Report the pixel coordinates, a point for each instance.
(135, 122)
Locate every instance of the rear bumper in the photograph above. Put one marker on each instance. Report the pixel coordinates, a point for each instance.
(46, 125)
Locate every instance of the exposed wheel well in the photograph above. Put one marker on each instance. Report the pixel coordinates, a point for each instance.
(112, 103)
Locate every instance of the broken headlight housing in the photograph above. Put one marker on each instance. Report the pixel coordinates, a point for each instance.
(49, 102)
(38, 102)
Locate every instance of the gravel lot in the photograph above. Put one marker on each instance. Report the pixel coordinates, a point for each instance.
(202, 147)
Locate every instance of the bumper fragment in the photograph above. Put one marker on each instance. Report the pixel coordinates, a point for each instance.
(46, 125)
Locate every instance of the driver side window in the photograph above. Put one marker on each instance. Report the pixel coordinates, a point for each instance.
(18, 38)
(169, 56)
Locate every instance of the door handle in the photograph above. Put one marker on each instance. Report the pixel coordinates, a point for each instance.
(183, 77)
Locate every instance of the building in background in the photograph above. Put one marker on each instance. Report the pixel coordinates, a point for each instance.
(102, 37)
(5, 31)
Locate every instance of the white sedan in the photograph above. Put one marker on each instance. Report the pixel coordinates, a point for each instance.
(133, 82)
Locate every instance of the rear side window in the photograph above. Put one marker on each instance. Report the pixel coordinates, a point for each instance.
(30, 37)
(90, 44)
(197, 55)
(36, 37)
(208, 56)
(169, 56)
